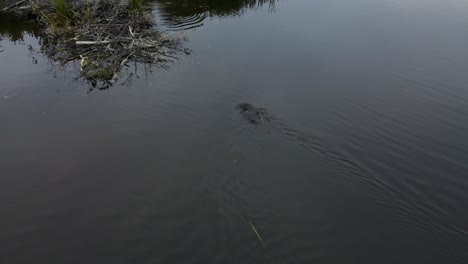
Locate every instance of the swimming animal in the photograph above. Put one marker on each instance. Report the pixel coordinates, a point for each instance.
(254, 115)
(339, 159)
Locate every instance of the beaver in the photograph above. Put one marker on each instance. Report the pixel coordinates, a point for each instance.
(254, 115)
(341, 160)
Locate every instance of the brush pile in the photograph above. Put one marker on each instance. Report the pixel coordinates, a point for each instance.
(104, 36)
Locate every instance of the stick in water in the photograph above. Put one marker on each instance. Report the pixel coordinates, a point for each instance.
(254, 229)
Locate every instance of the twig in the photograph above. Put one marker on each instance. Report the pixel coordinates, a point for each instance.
(254, 229)
(14, 5)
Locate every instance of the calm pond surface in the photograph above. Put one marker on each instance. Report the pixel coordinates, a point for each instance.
(363, 157)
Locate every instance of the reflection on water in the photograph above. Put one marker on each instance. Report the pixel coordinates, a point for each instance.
(14, 29)
(188, 14)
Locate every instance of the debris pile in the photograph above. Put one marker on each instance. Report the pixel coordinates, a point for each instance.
(104, 36)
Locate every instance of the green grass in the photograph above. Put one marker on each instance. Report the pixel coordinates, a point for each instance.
(61, 16)
(135, 5)
(64, 12)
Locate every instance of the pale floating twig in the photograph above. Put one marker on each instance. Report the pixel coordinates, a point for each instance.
(254, 229)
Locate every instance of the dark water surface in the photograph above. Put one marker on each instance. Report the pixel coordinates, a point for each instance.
(363, 158)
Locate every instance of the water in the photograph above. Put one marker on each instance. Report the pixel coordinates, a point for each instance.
(363, 158)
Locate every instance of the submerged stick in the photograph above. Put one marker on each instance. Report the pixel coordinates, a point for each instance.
(258, 235)
(254, 229)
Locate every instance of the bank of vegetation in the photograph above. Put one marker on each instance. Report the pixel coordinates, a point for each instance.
(102, 36)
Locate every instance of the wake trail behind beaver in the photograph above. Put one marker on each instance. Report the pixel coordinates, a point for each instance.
(339, 160)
